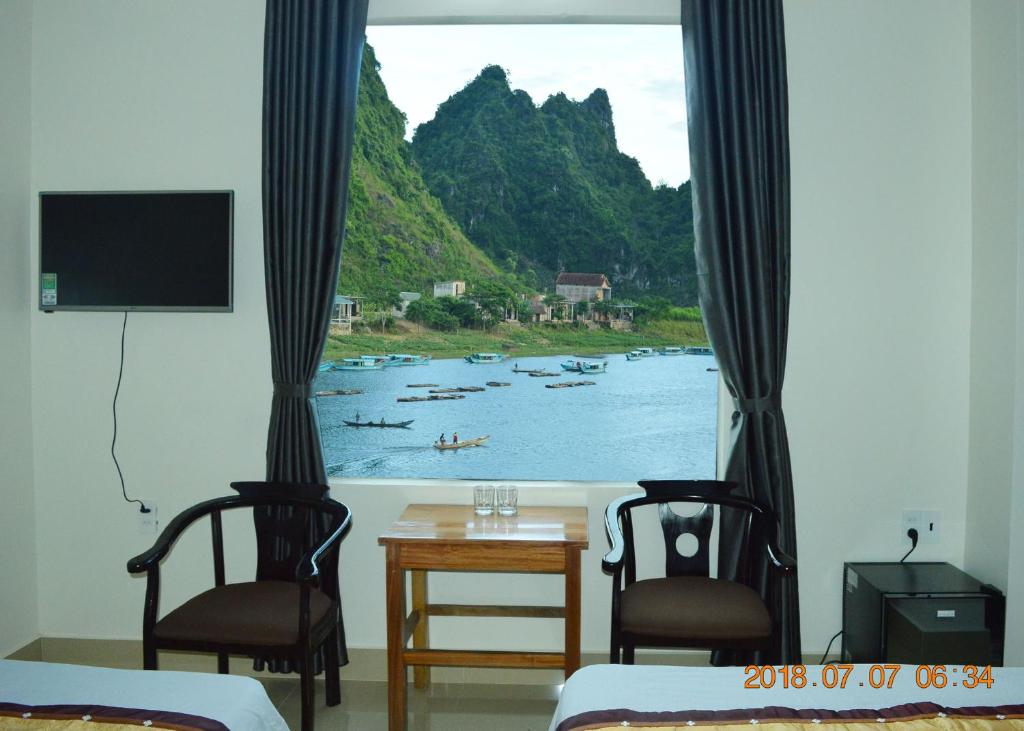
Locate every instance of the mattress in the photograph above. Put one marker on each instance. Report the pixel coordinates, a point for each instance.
(615, 696)
(47, 695)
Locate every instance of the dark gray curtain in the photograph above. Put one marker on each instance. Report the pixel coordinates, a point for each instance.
(312, 54)
(737, 106)
(311, 61)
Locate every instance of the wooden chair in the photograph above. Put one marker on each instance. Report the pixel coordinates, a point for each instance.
(288, 613)
(688, 608)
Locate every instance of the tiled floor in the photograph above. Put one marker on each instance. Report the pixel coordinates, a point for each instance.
(444, 707)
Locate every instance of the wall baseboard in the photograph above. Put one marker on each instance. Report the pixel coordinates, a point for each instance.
(365, 664)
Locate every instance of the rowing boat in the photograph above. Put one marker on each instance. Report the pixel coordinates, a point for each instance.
(380, 424)
(465, 443)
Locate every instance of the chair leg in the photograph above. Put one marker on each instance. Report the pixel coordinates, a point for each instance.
(332, 675)
(306, 682)
(222, 663)
(614, 654)
(149, 661)
(628, 652)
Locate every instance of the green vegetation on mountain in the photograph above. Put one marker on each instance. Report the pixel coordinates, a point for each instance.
(397, 234)
(546, 189)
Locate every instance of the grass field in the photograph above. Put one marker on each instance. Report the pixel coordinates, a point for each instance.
(515, 341)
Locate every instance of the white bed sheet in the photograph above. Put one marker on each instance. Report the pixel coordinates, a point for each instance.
(661, 688)
(240, 703)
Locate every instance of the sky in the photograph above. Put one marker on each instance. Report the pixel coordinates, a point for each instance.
(641, 68)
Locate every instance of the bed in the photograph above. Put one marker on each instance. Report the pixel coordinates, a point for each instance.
(51, 697)
(658, 697)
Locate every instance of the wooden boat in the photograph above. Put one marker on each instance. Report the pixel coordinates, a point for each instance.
(634, 355)
(382, 359)
(570, 384)
(582, 366)
(325, 365)
(485, 358)
(421, 385)
(698, 350)
(341, 392)
(431, 397)
(671, 350)
(645, 352)
(357, 364)
(404, 359)
(544, 374)
(459, 389)
(464, 443)
(497, 384)
(380, 424)
(527, 370)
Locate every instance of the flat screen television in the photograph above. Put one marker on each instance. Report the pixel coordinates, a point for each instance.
(161, 251)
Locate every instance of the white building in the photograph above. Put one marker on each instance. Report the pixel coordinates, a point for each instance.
(454, 288)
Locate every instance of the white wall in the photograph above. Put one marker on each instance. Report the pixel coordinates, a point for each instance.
(166, 95)
(1015, 591)
(993, 339)
(877, 379)
(144, 95)
(18, 607)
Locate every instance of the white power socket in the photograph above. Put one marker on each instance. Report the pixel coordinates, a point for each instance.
(925, 521)
(149, 523)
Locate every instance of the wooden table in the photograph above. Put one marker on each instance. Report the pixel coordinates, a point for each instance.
(544, 540)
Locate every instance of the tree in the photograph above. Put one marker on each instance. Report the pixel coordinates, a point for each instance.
(582, 307)
(494, 297)
(381, 301)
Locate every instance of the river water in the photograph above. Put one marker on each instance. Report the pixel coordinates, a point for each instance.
(652, 418)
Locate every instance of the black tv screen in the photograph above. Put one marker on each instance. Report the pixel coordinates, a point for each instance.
(152, 250)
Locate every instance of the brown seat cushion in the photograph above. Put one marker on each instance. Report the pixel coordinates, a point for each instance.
(263, 613)
(694, 607)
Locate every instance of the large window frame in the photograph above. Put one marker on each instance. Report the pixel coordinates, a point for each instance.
(533, 12)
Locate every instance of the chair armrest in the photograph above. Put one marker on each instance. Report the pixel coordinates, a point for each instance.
(780, 560)
(165, 541)
(307, 571)
(611, 563)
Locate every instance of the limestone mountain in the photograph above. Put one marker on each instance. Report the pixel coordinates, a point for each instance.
(397, 234)
(546, 189)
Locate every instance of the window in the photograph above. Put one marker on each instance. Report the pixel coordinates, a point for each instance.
(519, 211)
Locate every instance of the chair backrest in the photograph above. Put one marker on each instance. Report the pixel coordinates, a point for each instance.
(707, 494)
(284, 534)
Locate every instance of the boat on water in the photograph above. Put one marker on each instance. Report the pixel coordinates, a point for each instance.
(357, 364)
(644, 352)
(531, 371)
(382, 359)
(582, 366)
(380, 424)
(671, 350)
(325, 365)
(634, 355)
(463, 443)
(405, 359)
(698, 350)
(485, 358)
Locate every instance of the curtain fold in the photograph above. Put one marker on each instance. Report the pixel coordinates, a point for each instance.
(737, 108)
(312, 55)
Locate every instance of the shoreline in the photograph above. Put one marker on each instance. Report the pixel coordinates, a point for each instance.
(516, 341)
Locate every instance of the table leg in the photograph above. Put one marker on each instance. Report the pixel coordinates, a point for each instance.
(420, 635)
(572, 611)
(395, 583)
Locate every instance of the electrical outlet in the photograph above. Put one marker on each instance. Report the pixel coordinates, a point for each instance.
(925, 521)
(149, 523)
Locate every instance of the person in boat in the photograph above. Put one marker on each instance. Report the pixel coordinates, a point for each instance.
(382, 421)
(579, 365)
(357, 416)
(441, 441)
(455, 438)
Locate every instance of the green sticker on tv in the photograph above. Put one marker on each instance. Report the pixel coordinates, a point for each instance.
(48, 290)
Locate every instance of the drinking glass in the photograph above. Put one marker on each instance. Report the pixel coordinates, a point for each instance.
(508, 500)
(483, 499)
